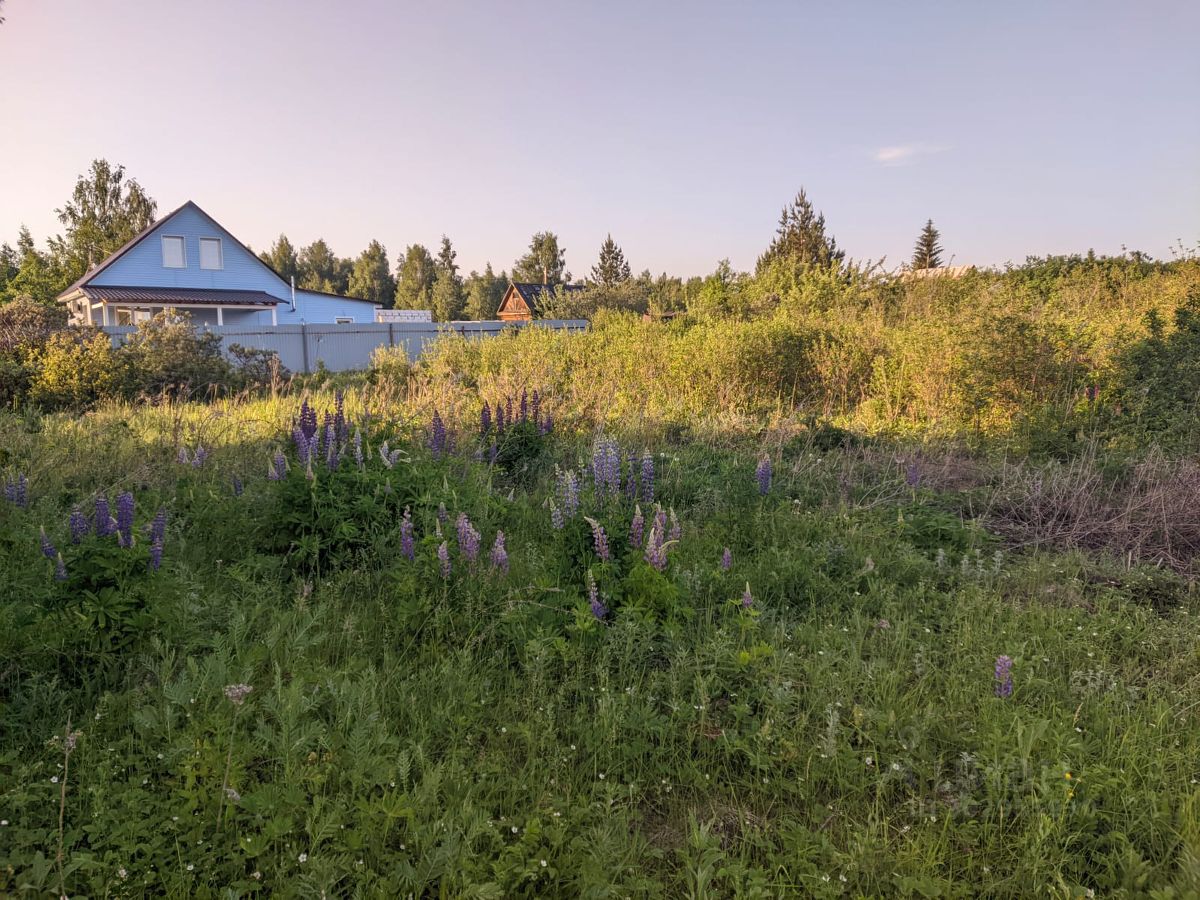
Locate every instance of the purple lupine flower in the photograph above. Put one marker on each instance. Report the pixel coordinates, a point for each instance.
(660, 520)
(314, 450)
(508, 410)
(547, 424)
(676, 532)
(912, 474)
(442, 515)
(568, 493)
(636, 527)
(1004, 678)
(105, 524)
(655, 554)
(468, 537)
(158, 527)
(307, 420)
(437, 436)
(300, 440)
(125, 519)
(499, 553)
(612, 469)
(485, 419)
(78, 525)
(358, 450)
(493, 452)
(328, 429)
(155, 560)
(199, 455)
(48, 550)
(16, 491)
(556, 516)
(407, 548)
(599, 540)
(499, 418)
(535, 408)
(443, 554)
(279, 463)
(599, 610)
(332, 457)
(341, 427)
(182, 457)
(747, 599)
(238, 487)
(763, 475)
(524, 405)
(60, 568)
(726, 560)
(647, 477)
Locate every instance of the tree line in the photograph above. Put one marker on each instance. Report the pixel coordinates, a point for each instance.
(107, 208)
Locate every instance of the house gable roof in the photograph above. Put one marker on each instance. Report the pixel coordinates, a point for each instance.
(531, 294)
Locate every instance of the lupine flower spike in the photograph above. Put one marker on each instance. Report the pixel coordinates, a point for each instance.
(499, 553)
(407, 548)
(468, 537)
(78, 524)
(648, 477)
(599, 610)
(599, 539)
(726, 560)
(763, 475)
(747, 599)
(1004, 678)
(636, 527)
(125, 519)
(443, 554)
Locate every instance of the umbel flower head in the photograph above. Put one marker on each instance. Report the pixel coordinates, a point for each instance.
(237, 693)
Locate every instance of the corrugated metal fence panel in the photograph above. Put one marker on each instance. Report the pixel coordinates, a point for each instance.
(347, 347)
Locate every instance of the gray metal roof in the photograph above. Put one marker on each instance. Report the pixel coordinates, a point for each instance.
(158, 296)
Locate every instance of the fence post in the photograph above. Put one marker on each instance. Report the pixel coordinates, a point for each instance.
(391, 334)
(304, 346)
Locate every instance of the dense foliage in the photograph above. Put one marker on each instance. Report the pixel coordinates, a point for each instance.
(352, 646)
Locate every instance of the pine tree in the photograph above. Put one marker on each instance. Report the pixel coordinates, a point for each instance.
(544, 263)
(447, 295)
(928, 252)
(801, 238)
(612, 269)
(415, 274)
(371, 277)
(282, 258)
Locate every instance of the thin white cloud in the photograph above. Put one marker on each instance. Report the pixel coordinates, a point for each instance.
(905, 154)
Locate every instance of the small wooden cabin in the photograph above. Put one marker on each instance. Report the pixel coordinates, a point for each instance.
(523, 300)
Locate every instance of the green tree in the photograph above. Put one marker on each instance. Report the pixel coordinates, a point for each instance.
(613, 268)
(105, 211)
(544, 263)
(448, 298)
(415, 274)
(484, 293)
(33, 274)
(801, 239)
(8, 267)
(928, 252)
(719, 294)
(322, 270)
(371, 278)
(282, 258)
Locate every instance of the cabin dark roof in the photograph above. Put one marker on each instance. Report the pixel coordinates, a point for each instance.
(157, 296)
(532, 293)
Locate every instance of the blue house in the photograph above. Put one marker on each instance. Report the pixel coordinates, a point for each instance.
(187, 261)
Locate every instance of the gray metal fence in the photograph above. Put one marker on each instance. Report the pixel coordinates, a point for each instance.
(346, 347)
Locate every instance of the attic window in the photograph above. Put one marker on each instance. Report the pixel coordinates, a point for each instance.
(172, 252)
(210, 253)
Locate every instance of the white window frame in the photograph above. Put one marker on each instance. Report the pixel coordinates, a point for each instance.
(343, 320)
(182, 248)
(220, 254)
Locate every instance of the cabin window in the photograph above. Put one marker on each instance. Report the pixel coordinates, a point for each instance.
(210, 253)
(172, 250)
(343, 320)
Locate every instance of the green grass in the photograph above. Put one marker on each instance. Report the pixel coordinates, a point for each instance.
(484, 735)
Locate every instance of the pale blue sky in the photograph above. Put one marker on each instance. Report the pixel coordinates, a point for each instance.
(682, 128)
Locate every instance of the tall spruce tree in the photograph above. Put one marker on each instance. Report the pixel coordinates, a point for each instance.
(613, 268)
(448, 299)
(371, 277)
(321, 270)
(544, 263)
(928, 252)
(415, 274)
(282, 258)
(105, 211)
(801, 239)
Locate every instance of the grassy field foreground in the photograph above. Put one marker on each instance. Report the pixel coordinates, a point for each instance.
(278, 685)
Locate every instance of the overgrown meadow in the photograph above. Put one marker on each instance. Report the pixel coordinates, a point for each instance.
(342, 644)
